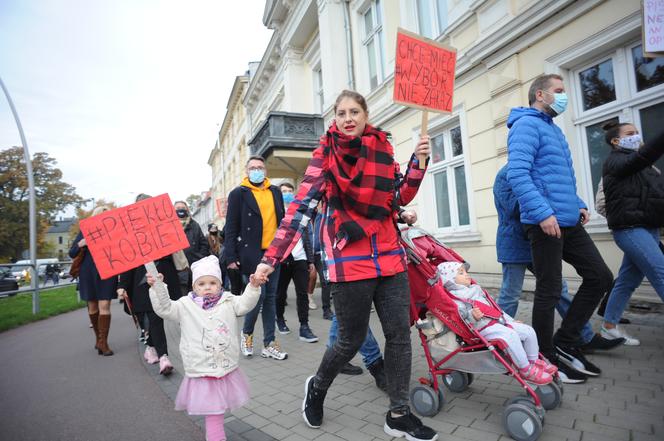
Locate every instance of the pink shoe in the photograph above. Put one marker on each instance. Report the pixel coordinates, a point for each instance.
(165, 366)
(150, 355)
(535, 374)
(549, 368)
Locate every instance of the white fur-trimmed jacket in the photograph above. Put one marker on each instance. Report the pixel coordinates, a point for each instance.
(209, 339)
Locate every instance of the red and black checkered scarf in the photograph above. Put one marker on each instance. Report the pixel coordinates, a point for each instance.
(361, 173)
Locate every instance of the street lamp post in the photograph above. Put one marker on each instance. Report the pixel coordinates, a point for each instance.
(32, 204)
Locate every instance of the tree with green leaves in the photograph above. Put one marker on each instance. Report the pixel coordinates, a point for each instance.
(52, 195)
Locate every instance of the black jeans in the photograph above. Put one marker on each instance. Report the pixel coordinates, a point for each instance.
(157, 335)
(576, 248)
(352, 304)
(324, 285)
(298, 271)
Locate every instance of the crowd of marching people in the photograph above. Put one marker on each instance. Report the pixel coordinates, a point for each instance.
(340, 226)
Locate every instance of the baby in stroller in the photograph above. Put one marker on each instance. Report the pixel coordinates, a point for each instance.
(492, 323)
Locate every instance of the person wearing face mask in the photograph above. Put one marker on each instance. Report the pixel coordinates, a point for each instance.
(634, 198)
(198, 244)
(296, 267)
(255, 209)
(541, 175)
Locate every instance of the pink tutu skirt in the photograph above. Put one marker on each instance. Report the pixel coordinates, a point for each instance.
(213, 396)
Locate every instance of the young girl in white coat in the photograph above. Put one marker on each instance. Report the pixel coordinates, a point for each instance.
(209, 343)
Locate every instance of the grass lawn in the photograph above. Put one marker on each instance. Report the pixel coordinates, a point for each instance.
(17, 310)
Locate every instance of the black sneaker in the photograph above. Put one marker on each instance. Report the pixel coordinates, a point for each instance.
(312, 406)
(410, 426)
(574, 357)
(281, 326)
(599, 343)
(327, 314)
(567, 374)
(307, 335)
(350, 369)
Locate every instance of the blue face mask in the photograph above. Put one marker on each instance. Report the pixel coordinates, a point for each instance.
(630, 142)
(288, 198)
(256, 176)
(559, 103)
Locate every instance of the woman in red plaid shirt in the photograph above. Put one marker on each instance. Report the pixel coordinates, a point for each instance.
(354, 174)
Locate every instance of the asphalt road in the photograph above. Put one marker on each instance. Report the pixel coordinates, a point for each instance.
(54, 386)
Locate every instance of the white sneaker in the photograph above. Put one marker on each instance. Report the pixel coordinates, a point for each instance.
(616, 332)
(273, 351)
(312, 304)
(247, 344)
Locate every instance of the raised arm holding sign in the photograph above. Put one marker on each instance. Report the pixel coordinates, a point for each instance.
(423, 76)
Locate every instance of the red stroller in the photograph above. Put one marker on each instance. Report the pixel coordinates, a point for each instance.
(455, 351)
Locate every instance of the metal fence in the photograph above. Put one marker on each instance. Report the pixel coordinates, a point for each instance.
(34, 279)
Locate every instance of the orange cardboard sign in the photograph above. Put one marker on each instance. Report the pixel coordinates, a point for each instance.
(424, 73)
(127, 237)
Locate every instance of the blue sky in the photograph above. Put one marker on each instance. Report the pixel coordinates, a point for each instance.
(127, 95)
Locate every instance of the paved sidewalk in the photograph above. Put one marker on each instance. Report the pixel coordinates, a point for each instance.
(626, 403)
(55, 387)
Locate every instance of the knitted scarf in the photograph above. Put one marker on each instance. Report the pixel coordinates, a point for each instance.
(361, 172)
(205, 302)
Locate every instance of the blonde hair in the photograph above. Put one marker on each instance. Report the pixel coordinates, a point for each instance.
(99, 210)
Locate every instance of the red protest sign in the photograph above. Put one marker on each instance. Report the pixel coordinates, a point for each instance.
(124, 238)
(424, 73)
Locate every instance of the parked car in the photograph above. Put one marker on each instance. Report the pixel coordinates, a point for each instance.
(21, 269)
(7, 281)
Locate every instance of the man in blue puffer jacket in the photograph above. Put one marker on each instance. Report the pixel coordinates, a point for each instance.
(513, 252)
(541, 175)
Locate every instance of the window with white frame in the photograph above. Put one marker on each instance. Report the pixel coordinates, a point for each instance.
(318, 89)
(431, 17)
(447, 167)
(620, 86)
(374, 42)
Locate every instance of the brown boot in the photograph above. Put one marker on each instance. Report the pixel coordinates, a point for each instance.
(104, 326)
(94, 319)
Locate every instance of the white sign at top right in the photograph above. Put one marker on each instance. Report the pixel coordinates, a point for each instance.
(653, 27)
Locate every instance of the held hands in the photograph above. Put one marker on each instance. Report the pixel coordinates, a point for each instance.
(423, 148)
(256, 281)
(152, 281)
(476, 313)
(263, 270)
(550, 226)
(585, 216)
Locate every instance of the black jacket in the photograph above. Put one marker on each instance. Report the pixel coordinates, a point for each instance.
(198, 243)
(634, 191)
(244, 227)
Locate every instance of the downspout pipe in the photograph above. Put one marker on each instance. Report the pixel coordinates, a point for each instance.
(349, 46)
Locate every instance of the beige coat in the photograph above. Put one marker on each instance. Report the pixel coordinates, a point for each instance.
(209, 339)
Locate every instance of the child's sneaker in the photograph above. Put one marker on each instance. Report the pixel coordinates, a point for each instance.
(273, 351)
(535, 374)
(247, 344)
(410, 426)
(549, 368)
(165, 366)
(616, 332)
(150, 355)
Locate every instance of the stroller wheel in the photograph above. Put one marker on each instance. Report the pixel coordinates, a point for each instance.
(550, 394)
(521, 422)
(456, 381)
(471, 377)
(527, 400)
(425, 400)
